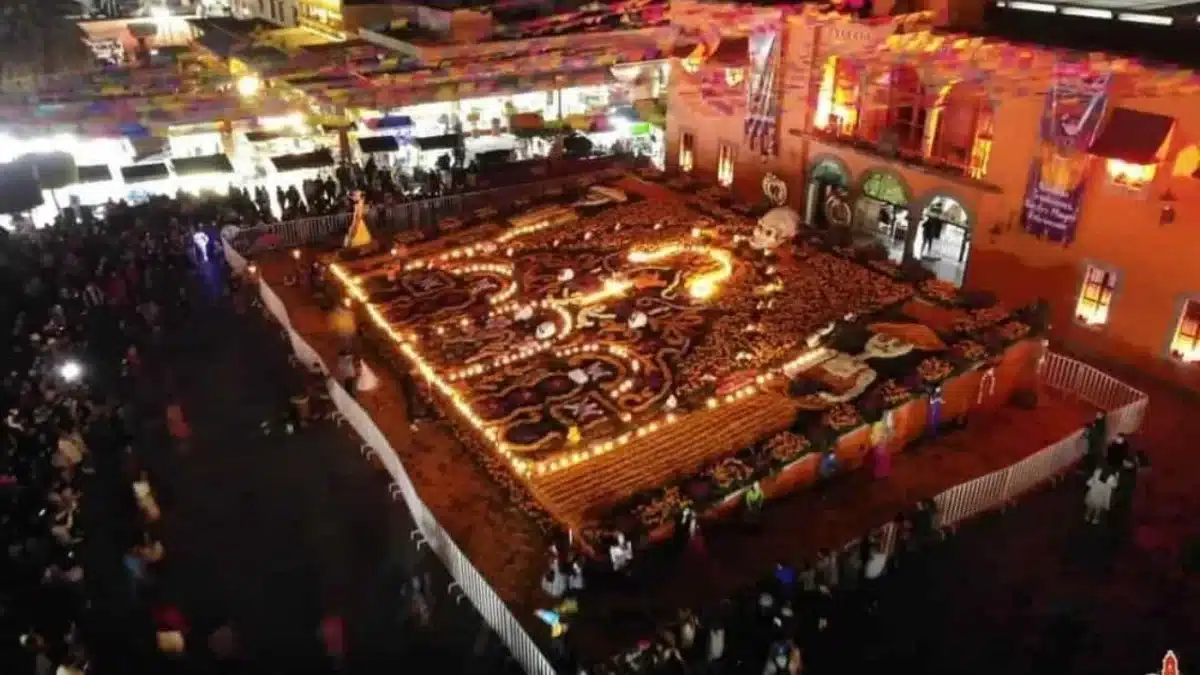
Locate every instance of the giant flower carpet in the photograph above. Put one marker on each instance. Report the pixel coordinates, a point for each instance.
(612, 354)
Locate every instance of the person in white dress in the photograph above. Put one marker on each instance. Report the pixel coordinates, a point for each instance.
(1100, 488)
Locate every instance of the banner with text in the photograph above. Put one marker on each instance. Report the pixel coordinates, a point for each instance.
(1073, 113)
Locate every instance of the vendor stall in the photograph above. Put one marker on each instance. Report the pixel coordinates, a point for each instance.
(307, 161)
(95, 185)
(205, 173)
(145, 180)
(382, 149)
(428, 149)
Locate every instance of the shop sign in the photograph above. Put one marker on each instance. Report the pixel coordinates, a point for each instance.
(854, 38)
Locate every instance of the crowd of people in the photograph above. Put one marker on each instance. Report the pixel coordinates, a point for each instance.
(787, 624)
(381, 184)
(86, 300)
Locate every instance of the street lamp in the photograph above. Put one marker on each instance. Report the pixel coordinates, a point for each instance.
(248, 86)
(70, 371)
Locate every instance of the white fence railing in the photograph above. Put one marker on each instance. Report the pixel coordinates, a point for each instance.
(1125, 407)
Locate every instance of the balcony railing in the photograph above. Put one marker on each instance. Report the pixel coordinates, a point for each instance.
(917, 160)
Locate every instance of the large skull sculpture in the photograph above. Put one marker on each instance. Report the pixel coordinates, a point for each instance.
(776, 227)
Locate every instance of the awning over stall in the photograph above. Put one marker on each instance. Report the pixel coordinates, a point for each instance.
(264, 136)
(142, 173)
(94, 173)
(390, 122)
(145, 147)
(372, 144)
(206, 164)
(1134, 137)
(318, 159)
(492, 158)
(444, 142)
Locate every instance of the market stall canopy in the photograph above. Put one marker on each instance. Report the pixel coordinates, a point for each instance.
(142, 173)
(526, 122)
(443, 142)
(205, 164)
(94, 173)
(1134, 136)
(19, 189)
(266, 136)
(317, 159)
(147, 147)
(372, 144)
(331, 125)
(390, 122)
(494, 157)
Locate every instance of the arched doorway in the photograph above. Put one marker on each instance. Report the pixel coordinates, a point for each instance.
(941, 239)
(882, 210)
(825, 197)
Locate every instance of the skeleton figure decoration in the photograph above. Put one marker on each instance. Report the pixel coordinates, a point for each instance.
(775, 228)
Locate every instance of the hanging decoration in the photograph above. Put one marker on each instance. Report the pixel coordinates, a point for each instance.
(762, 109)
(775, 189)
(1071, 117)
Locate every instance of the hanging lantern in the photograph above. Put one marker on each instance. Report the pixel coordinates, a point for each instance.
(734, 76)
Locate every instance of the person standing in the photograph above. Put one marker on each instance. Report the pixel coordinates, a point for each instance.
(1095, 437)
(347, 371)
(177, 425)
(333, 638)
(1100, 486)
(826, 470)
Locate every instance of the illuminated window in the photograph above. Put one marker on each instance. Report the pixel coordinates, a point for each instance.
(895, 110)
(1134, 177)
(1185, 346)
(687, 152)
(837, 99)
(981, 152)
(1096, 296)
(961, 129)
(726, 157)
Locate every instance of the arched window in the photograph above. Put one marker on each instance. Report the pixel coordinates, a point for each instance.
(963, 137)
(895, 109)
(885, 187)
(838, 97)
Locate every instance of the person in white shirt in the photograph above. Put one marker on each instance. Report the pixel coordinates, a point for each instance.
(1100, 488)
(876, 564)
(620, 553)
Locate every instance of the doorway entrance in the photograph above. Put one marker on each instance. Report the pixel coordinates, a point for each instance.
(825, 198)
(882, 212)
(942, 240)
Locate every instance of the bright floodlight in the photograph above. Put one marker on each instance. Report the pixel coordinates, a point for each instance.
(248, 85)
(71, 371)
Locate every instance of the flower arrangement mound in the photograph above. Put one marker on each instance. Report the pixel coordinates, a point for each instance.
(710, 484)
(557, 338)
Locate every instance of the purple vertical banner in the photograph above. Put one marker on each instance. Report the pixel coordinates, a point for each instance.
(1073, 114)
(762, 105)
